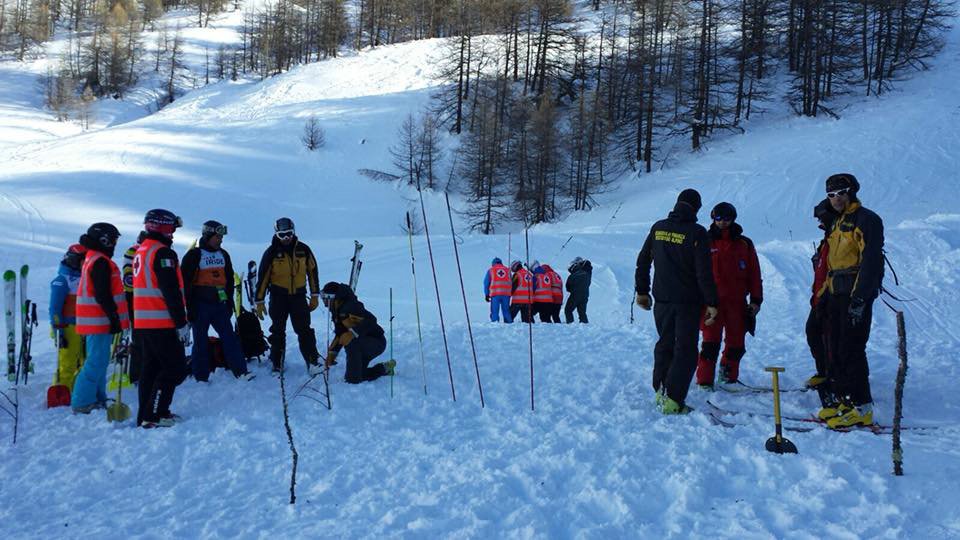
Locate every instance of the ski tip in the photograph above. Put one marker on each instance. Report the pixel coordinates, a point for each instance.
(9, 275)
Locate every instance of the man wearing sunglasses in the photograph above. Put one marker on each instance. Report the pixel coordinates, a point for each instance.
(736, 271)
(286, 269)
(208, 276)
(854, 274)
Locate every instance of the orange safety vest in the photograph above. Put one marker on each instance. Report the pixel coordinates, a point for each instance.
(523, 294)
(91, 318)
(70, 302)
(557, 283)
(544, 291)
(211, 272)
(499, 280)
(149, 307)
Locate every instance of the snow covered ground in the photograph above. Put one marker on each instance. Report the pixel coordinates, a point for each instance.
(594, 460)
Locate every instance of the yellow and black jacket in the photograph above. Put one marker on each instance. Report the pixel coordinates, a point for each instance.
(287, 270)
(855, 258)
(349, 315)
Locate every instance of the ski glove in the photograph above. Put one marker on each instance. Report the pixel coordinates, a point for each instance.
(115, 327)
(488, 298)
(711, 316)
(184, 334)
(754, 309)
(856, 311)
(643, 300)
(314, 302)
(261, 310)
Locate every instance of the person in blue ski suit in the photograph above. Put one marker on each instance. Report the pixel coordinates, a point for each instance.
(63, 316)
(497, 289)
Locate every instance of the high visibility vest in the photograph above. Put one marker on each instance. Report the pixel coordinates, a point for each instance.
(91, 318)
(211, 272)
(70, 302)
(499, 280)
(149, 307)
(543, 293)
(557, 283)
(523, 294)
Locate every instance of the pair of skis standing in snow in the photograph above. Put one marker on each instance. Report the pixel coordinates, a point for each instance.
(702, 281)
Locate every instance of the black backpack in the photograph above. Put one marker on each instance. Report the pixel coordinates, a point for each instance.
(252, 341)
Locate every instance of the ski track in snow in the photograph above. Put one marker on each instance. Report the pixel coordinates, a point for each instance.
(594, 460)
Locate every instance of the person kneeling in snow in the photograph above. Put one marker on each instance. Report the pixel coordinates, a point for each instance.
(357, 331)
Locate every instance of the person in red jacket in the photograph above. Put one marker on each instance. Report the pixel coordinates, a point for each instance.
(816, 319)
(521, 292)
(736, 271)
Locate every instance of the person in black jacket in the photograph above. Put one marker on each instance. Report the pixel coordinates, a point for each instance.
(854, 275)
(208, 287)
(357, 331)
(578, 285)
(160, 319)
(682, 285)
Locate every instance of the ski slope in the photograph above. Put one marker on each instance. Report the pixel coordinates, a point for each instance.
(594, 460)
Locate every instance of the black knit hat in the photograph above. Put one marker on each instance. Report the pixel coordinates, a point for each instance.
(691, 197)
(843, 181)
(724, 210)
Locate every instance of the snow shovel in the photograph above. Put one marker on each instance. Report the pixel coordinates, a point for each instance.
(58, 395)
(778, 443)
(119, 411)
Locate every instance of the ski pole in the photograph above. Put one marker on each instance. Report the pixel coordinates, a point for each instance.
(463, 291)
(526, 237)
(391, 339)
(436, 286)
(416, 302)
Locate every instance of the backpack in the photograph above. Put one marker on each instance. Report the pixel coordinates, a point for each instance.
(252, 341)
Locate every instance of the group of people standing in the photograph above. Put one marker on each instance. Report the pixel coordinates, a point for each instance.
(536, 290)
(169, 305)
(709, 282)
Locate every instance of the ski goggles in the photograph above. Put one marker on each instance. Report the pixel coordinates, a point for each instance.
(283, 235)
(837, 193)
(723, 218)
(220, 230)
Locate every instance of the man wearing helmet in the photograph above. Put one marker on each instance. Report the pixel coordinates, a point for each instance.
(208, 277)
(736, 272)
(287, 267)
(854, 275)
(101, 312)
(63, 316)
(160, 319)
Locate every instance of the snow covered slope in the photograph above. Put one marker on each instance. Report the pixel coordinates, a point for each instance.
(594, 460)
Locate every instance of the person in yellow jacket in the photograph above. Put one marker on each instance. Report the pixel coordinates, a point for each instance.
(854, 274)
(287, 268)
(63, 316)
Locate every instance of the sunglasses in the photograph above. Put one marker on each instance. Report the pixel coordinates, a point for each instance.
(283, 235)
(220, 230)
(837, 193)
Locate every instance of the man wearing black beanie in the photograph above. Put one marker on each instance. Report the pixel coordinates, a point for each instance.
(679, 248)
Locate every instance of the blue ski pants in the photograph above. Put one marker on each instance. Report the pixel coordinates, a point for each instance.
(217, 315)
(498, 305)
(91, 383)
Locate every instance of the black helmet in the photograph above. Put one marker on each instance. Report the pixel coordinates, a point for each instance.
(841, 181)
(73, 258)
(161, 221)
(284, 224)
(725, 211)
(103, 234)
(212, 227)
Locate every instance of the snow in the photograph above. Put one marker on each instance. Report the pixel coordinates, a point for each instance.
(594, 460)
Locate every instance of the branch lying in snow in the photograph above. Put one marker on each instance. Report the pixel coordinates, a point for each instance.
(286, 424)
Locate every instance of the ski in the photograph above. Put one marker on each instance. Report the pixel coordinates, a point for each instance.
(10, 300)
(355, 265)
(716, 415)
(877, 429)
(742, 388)
(28, 319)
(250, 283)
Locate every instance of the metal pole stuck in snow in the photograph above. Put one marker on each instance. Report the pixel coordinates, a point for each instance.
(526, 238)
(463, 291)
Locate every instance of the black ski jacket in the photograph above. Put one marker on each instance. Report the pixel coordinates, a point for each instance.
(190, 265)
(578, 282)
(348, 313)
(679, 248)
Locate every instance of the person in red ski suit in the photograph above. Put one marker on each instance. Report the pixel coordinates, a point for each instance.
(736, 271)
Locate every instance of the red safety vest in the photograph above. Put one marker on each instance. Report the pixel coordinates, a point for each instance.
(499, 280)
(557, 283)
(523, 294)
(149, 307)
(543, 294)
(91, 318)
